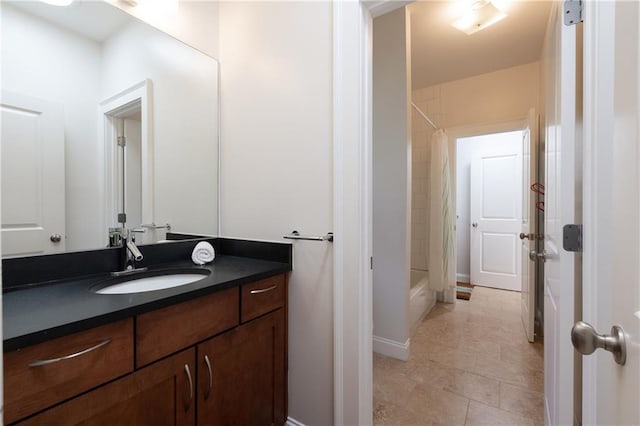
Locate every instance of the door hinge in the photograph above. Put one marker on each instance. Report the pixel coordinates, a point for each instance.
(572, 12)
(122, 141)
(572, 238)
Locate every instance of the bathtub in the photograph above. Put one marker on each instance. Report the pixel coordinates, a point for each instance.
(421, 299)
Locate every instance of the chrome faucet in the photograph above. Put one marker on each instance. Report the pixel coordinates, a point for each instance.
(131, 253)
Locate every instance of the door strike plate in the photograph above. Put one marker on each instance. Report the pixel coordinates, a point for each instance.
(572, 238)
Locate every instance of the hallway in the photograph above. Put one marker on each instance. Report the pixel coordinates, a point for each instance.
(470, 363)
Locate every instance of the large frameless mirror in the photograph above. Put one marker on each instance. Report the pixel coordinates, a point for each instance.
(107, 123)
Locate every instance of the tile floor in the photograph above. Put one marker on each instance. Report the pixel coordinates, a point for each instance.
(470, 364)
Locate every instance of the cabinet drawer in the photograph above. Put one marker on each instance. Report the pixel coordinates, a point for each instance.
(262, 296)
(161, 394)
(168, 330)
(42, 375)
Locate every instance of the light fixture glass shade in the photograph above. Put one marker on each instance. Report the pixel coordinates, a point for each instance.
(58, 2)
(481, 15)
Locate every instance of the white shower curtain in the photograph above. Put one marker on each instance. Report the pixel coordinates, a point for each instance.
(442, 271)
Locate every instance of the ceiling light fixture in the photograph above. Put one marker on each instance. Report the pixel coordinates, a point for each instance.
(480, 15)
(58, 2)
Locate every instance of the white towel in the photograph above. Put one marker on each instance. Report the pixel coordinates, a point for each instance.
(203, 253)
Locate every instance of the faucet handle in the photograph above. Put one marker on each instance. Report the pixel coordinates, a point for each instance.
(116, 235)
(139, 230)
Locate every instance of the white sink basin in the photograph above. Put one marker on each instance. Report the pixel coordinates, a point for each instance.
(159, 282)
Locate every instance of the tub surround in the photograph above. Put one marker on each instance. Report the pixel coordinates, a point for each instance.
(421, 298)
(50, 296)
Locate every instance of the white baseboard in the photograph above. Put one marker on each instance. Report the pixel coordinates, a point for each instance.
(293, 422)
(547, 412)
(391, 348)
(463, 278)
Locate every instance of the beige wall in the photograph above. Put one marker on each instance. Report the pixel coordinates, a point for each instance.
(277, 168)
(493, 98)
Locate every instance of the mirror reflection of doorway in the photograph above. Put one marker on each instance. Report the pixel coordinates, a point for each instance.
(127, 120)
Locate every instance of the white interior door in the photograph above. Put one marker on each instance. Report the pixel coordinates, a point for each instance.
(496, 209)
(33, 191)
(562, 206)
(612, 208)
(529, 230)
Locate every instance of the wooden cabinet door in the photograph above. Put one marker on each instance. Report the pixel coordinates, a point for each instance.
(161, 394)
(241, 374)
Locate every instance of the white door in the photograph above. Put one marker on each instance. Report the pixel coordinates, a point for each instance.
(33, 191)
(496, 210)
(562, 184)
(529, 230)
(612, 208)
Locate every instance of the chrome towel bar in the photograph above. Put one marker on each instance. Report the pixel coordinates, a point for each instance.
(295, 235)
(154, 226)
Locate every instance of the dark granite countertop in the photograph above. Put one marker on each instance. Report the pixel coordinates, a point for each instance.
(33, 314)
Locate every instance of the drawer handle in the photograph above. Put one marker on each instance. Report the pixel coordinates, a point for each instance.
(263, 290)
(187, 404)
(42, 362)
(208, 392)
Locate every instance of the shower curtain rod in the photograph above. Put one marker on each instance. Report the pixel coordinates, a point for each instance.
(424, 115)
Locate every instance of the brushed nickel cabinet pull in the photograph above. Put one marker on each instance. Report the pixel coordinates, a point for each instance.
(263, 290)
(208, 392)
(187, 404)
(41, 362)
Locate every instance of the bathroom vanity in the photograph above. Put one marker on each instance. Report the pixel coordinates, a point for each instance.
(213, 351)
(210, 352)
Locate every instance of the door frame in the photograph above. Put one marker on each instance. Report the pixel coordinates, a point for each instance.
(466, 131)
(352, 138)
(352, 196)
(476, 197)
(138, 96)
(352, 209)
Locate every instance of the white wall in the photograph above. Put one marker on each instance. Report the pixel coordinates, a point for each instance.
(498, 97)
(391, 182)
(467, 149)
(47, 62)
(193, 22)
(276, 167)
(184, 81)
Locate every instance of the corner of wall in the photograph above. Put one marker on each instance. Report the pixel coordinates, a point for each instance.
(391, 348)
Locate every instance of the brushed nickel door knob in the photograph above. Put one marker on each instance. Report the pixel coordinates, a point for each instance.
(586, 340)
(55, 238)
